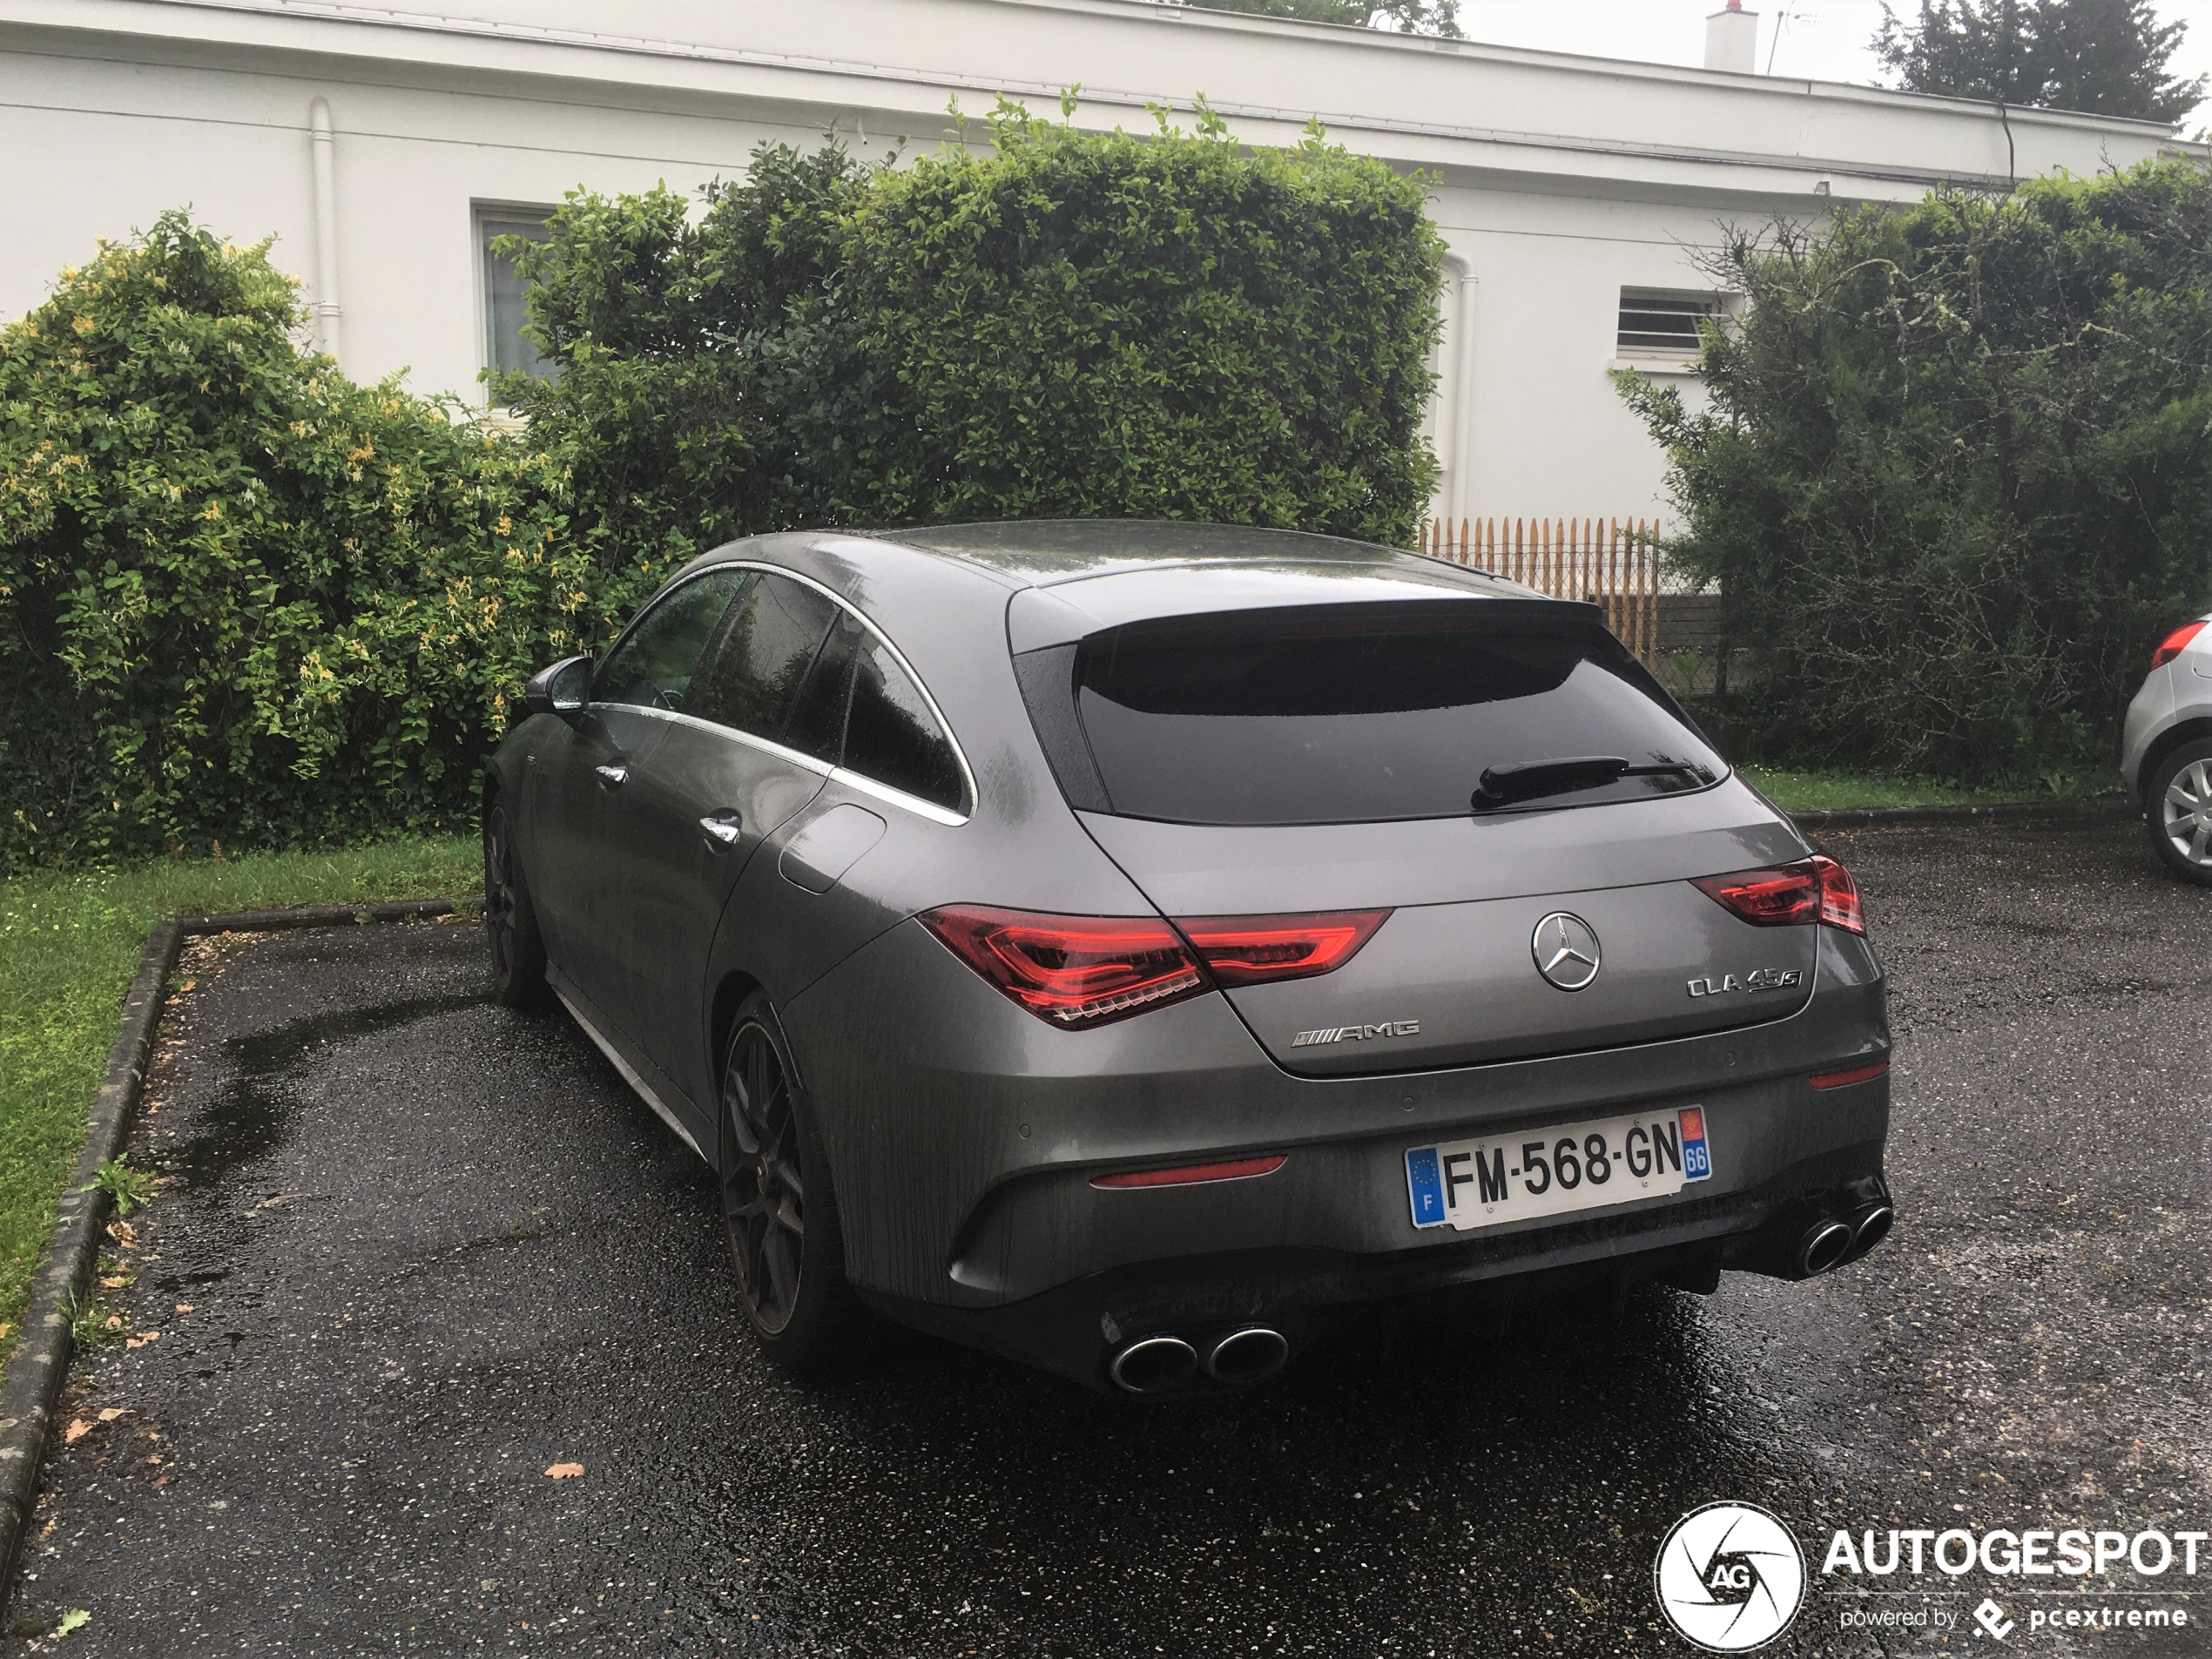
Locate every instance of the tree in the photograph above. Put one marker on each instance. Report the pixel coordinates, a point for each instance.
(1407, 17)
(1954, 476)
(2100, 57)
(1068, 323)
(241, 595)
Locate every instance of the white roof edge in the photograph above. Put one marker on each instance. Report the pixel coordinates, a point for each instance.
(1147, 12)
(1788, 171)
(1357, 35)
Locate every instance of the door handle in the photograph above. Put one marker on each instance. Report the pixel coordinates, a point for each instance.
(722, 830)
(612, 776)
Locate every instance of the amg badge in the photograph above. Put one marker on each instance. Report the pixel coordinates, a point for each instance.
(1357, 1033)
(1759, 979)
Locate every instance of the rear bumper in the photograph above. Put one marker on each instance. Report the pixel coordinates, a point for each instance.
(964, 1135)
(1075, 1329)
(2150, 712)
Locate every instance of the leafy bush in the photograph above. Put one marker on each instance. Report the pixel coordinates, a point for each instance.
(1064, 324)
(241, 598)
(1955, 474)
(705, 392)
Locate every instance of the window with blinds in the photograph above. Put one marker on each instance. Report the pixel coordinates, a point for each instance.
(1663, 323)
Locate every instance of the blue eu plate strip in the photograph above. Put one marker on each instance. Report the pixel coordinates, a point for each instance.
(1696, 1156)
(1427, 1184)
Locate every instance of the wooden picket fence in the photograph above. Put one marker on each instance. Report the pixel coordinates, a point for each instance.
(1607, 562)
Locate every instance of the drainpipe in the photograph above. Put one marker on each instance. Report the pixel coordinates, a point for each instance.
(327, 311)
(1463, 399)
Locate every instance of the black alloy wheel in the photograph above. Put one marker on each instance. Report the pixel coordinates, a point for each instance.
(510, 923)
(777, 1204)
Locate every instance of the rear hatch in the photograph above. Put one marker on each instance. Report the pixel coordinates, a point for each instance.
(1322, 758)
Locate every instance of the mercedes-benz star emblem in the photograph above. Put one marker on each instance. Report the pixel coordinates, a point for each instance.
(1565, 950)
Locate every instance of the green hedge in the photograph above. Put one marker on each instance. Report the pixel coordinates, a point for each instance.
(1955, 475)
(1062, 324)
(242, 599)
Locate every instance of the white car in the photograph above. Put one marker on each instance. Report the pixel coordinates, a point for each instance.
(2166, 751)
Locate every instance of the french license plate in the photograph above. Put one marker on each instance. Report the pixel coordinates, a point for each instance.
(1467, 1184)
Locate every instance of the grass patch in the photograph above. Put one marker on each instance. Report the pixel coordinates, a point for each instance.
(69, 945)
(1829, 791)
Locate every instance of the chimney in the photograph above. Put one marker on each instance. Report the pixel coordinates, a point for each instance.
(1732, 39)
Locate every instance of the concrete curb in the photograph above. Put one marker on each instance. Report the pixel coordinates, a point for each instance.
(40, 1364)
(2030, 810)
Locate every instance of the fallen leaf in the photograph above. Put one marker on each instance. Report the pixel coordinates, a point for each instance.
(142, 1338)
(184, 1307)
(113, 1322)
(4, 1329)
(76, 1431)
(109, 1413)
(115, 1283)
(76, 1619)
(563, 1471)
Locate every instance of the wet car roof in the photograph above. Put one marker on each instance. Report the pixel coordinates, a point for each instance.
(1047, 553)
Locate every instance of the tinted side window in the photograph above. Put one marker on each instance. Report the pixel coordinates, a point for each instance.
(891, 736)
(817, 725)
(655, 664)
(767, 647)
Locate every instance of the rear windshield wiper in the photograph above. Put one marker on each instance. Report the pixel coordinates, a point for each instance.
(1532, 780)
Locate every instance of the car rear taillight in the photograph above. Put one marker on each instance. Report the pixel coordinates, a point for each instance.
(1252, 950)
(1838, 896)
(1790, 896)
(1088, 970)
(1072, 970)
(2175, 643)
(1782, 897)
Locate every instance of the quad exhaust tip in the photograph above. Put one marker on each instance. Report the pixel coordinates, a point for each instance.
(1823, 1247)
(1154, 1364)
(1251, 1355)
(1162, 1364)
(1870, 1228)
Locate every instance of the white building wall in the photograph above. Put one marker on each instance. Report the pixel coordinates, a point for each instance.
(1560, 179)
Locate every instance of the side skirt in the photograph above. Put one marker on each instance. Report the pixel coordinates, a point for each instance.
(569, 1000)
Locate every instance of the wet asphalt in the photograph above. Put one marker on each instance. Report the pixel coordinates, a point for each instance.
(415, 1252)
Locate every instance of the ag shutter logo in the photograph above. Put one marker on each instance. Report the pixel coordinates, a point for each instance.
(1729, 1577)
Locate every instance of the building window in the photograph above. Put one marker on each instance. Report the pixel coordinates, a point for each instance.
(505, 347)
(1665, 325)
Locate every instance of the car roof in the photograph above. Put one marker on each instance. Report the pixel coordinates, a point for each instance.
(1067, 578)
(1042, 553)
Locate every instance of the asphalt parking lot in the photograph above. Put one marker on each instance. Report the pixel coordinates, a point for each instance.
(418, 1250)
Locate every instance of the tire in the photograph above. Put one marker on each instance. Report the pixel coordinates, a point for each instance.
(2177, 811)
(510, 923)
(779, 1209)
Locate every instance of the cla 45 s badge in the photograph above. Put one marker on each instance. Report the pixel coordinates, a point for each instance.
(1759, 979)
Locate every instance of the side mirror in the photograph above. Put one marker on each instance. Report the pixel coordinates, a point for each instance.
(563, 689)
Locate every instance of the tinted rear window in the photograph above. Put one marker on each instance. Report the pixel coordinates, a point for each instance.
(1360, 715)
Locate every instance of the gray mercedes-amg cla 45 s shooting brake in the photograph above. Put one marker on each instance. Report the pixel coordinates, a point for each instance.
(1136, 948)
